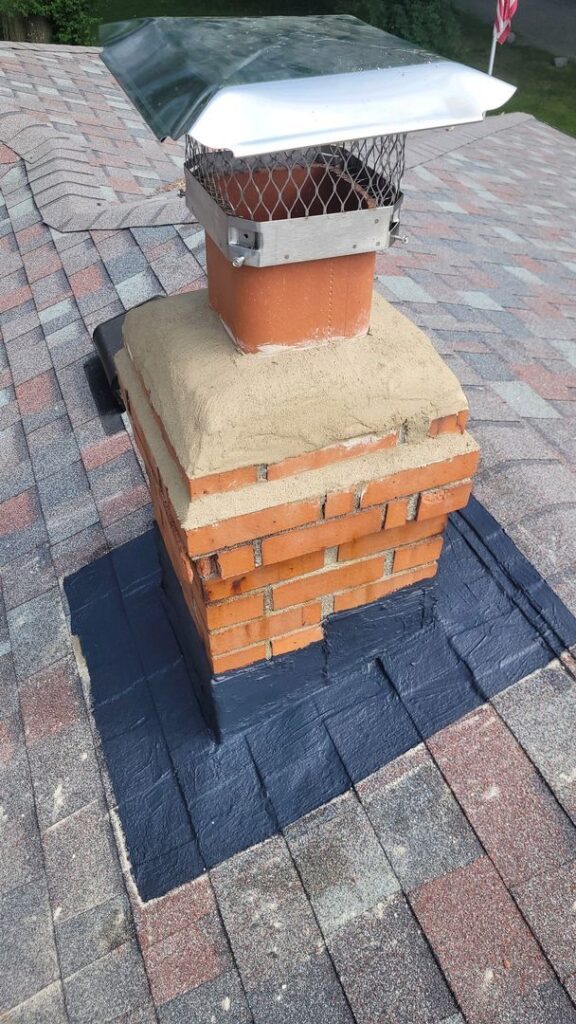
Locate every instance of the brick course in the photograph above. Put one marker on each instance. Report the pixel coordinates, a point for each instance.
(234, 479)
(261, 584)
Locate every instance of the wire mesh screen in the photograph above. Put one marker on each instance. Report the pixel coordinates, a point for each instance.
(336, 178)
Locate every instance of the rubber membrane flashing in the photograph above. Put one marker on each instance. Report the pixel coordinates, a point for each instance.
(387, 676)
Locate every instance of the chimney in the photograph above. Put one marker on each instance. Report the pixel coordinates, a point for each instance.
(304, 442)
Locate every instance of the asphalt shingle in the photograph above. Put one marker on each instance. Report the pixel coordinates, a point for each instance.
(38, 632)
(267, 916)
(417, 819)
(114, 984)
(93, 934)
(20, 846)
(80, 864)
(514, 814)
(309, 991)
(547, 902)
(340, 861)
(66, 499)
(53, 448)
(387, 969)
(510, 334)
(219, 1001)
(46, 1007)
(482, 943)
(29, 961)
(541, 712)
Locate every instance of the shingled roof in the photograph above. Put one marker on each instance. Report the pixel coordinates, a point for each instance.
(442, 888)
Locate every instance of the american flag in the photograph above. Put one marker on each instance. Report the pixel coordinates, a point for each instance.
(505, 11)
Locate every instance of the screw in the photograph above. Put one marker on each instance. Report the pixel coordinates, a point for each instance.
(238, 261)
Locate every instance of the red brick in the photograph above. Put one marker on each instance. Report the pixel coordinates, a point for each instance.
(236, 562)
(187, 958)
(516, 817)
(325, 456)
(248, 527)
(339, 504)
(325, 535)
(443, 501)
(295, 641)
(179, 909)
(206, 567)
(375, 591)
(386, 540)
(238, 659)
(417, 554)
(262, 576)
(396, 512)
(411, 481)
(328, 582)
(239, 609)
(263, 629)
(486, 950)
(454, 424)
(216, 483)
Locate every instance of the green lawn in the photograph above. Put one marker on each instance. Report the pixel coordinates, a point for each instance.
(543, 90)
(547, 92)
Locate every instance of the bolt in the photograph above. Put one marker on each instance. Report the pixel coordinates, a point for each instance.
(238, 261)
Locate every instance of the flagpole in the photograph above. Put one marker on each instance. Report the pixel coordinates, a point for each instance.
(492, 52)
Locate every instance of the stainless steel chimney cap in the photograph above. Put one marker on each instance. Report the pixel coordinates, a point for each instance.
(260, 85)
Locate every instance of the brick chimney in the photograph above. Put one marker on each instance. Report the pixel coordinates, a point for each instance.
(304, 442)
(297, 482)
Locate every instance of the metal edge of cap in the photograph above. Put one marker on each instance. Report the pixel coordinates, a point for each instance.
(324, 109)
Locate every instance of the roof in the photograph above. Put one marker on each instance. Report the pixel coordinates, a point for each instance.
(489, 273)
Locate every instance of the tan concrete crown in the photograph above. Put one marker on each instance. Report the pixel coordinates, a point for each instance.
(265, 494)
(223, 410)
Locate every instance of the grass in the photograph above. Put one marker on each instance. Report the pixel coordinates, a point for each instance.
(547, 92)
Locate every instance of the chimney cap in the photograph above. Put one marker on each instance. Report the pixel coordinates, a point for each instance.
(260, 85)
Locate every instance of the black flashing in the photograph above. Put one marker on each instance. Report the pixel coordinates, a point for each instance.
(298, 731)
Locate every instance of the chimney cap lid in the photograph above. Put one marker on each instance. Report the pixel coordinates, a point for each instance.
(260, 85)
